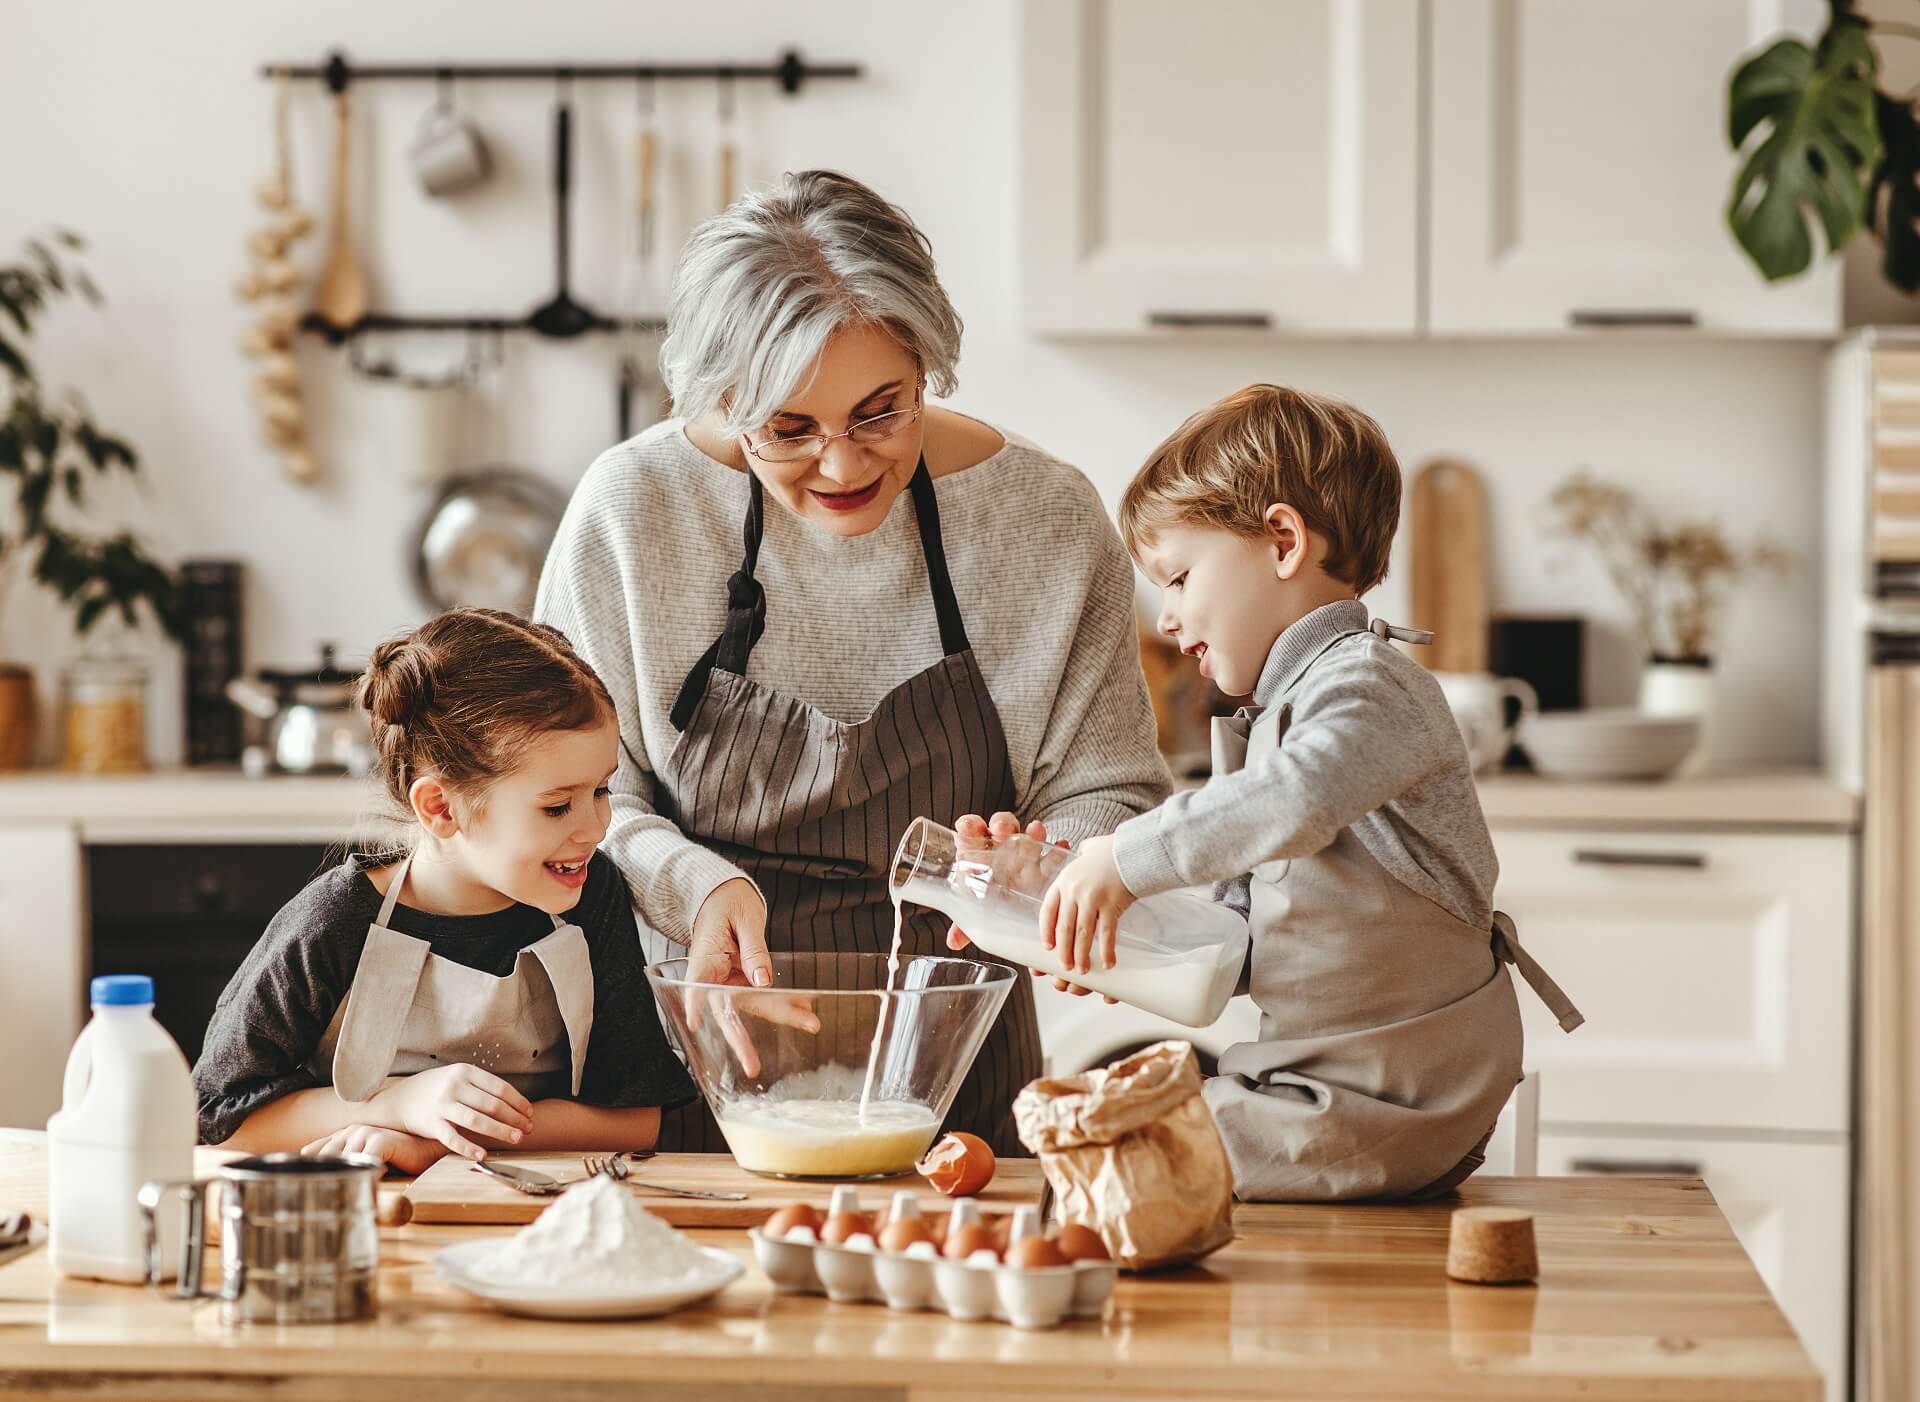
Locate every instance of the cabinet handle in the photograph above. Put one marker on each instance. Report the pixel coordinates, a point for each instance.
(1640, 1168)
(1650, 316)
(1253, 321)
(1593, 856)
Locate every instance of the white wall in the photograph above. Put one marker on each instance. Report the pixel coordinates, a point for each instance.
(155, 130)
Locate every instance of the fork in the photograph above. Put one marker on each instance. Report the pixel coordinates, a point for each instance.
(613, 1166)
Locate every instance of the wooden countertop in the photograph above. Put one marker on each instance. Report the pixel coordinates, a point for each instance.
(1643, 1291)
(1745, 799)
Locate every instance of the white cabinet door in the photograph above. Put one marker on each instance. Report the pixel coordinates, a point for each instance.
(1715, 971)
(1237, 163)
(1580, 168)
(43, 967)
(1788, 1204)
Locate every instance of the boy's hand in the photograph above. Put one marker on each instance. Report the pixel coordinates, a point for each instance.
(1080, 917)
(401, 1152)
(441, 1103)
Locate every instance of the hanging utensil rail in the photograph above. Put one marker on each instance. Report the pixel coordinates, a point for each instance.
(790, 71)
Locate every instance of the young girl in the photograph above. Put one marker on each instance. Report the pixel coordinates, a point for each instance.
(413, 1003)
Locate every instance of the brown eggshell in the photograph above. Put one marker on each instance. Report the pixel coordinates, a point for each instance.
(959, 1165)
(900, 1235)
(1035, 1253)
(794, 1214)
(842, 1225)
(1078, 1243)
(968, 1239)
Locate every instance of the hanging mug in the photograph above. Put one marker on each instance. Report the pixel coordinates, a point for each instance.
(448, 153)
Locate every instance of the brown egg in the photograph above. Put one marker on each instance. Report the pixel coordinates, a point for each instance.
(959, 1165)
(842, 1225)
(962, 1242)
(1035, 1253)
(900, 1235)
(1001, 1225)
(1078, 1243)
(794, 1214)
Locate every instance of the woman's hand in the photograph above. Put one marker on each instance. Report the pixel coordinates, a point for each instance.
(448, 1102)
(1081, 912)
(401, 1152)
(729, 945)
(973, 828)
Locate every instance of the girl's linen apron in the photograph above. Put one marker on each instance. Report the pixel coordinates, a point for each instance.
(410, 1010)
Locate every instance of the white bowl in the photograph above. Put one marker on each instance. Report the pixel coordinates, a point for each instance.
(1609, 743)
(455, 1265)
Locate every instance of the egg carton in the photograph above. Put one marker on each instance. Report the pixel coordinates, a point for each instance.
(978, 1287)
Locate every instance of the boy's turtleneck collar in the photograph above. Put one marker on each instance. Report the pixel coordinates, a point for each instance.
(1305, 639)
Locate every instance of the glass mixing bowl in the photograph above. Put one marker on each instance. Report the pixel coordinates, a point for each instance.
(828, 1074)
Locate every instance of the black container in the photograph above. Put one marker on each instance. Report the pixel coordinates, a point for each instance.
(211, 590)
(1547, 651)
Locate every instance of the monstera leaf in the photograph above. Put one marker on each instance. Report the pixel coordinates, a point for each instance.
(1813, 110)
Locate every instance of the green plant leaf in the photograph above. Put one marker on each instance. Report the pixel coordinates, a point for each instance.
(1813, 113)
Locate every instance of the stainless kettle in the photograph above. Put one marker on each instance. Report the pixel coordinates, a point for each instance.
(314, 725)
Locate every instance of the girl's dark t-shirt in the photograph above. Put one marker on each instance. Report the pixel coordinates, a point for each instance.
(274, 1011)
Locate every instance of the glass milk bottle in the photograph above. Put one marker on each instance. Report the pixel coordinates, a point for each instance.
(127, 1117)
(1177, 954)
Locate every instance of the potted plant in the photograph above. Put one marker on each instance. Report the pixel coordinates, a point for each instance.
(1823, 143)
(1676, 580)
(51, 453)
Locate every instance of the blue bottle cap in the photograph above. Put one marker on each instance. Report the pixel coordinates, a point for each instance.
(122, 991)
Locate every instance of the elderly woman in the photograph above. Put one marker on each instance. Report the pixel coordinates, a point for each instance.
(929, 615)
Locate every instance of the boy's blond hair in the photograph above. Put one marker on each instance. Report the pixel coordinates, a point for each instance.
(1264, 444)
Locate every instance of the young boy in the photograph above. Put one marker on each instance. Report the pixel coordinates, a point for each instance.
(1341, 817)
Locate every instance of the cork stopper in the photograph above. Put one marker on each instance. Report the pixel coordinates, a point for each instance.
(1492, 1246)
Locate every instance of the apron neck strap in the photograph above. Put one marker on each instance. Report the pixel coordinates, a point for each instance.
(392, 898)
(926, 511)
(747, 601)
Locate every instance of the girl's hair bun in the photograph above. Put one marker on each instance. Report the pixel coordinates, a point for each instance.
(398, 684)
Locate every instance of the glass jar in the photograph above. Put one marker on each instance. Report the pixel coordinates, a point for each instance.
(104, 703)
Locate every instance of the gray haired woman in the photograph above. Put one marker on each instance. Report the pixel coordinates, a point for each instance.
(930, 616)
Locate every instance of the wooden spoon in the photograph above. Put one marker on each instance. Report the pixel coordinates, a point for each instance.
(341, 295)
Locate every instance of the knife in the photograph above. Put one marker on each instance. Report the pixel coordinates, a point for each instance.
(521, 1180)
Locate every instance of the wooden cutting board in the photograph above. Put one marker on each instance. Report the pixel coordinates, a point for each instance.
(1447, 504)
(451, 1191)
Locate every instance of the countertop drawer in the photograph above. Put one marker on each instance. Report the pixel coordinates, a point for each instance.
(1787, 1202)
(1714, 969)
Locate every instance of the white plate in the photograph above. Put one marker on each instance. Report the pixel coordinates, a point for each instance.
(455, 1264)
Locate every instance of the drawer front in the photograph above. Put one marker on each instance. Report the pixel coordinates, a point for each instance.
(1714, 970)
(1788, 1204)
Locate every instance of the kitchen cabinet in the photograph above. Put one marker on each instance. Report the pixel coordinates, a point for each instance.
(1715, 970)
(44, 954)
(1787, 1202)
(1580, 169)
(1234, 164)
(1393, 167)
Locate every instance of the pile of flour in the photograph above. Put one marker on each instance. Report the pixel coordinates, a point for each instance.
(596, 1234)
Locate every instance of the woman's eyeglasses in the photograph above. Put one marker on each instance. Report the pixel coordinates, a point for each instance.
(803, 446)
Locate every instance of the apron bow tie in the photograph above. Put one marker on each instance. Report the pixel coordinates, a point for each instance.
(1506, 946)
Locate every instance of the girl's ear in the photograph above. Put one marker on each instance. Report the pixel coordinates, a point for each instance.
(433, 806)
(1287, 535)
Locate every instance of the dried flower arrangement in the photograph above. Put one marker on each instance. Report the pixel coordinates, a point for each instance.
(1676, 581)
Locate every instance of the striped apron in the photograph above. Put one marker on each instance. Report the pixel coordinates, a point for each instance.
(812, 807)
